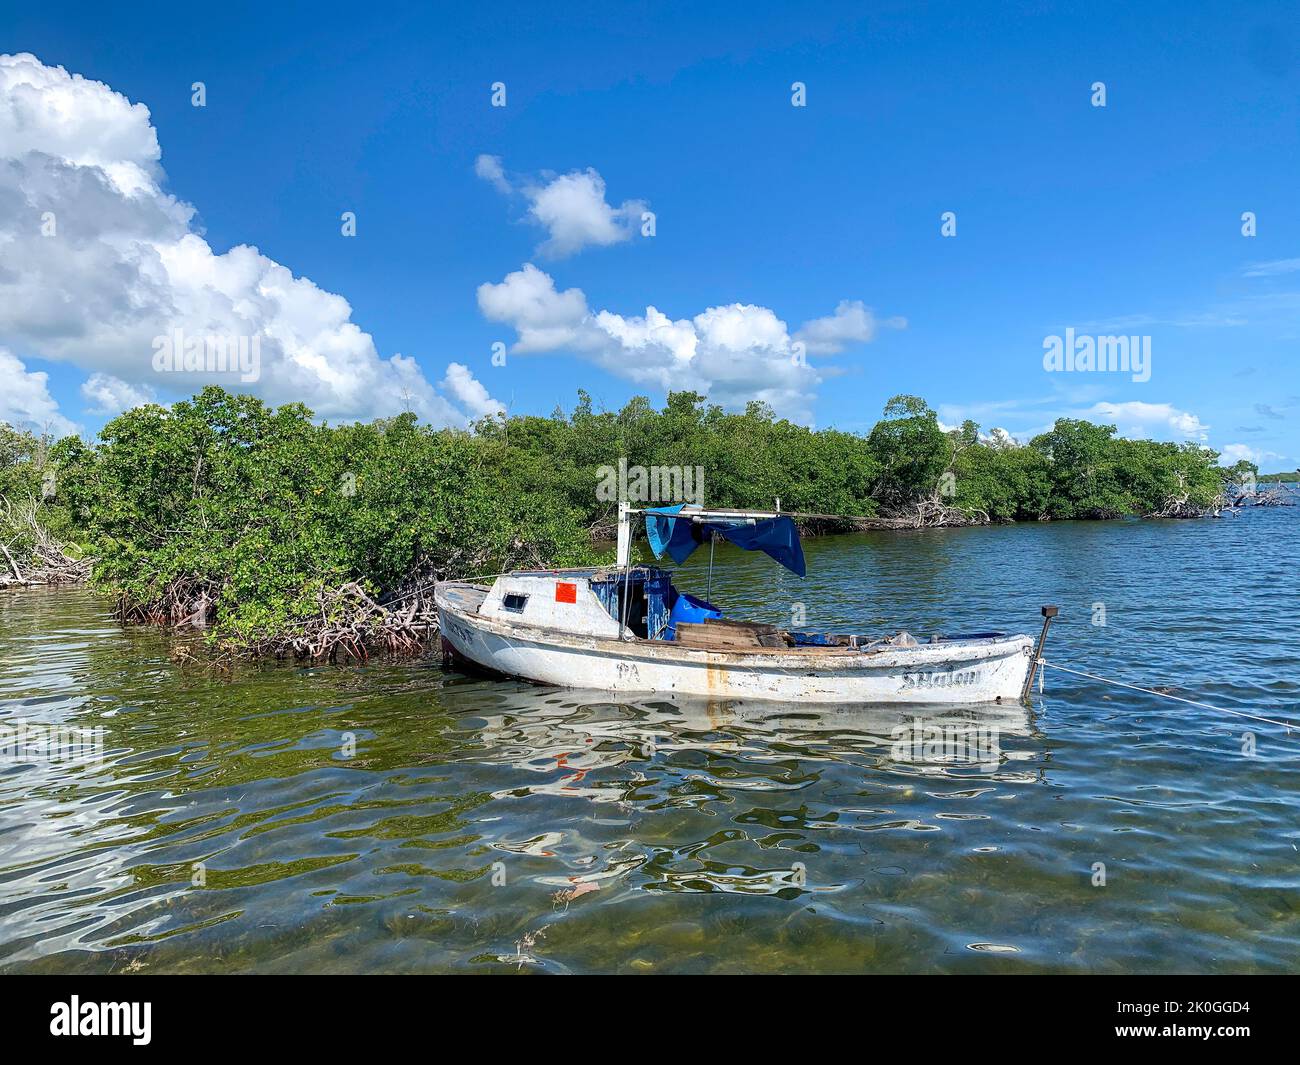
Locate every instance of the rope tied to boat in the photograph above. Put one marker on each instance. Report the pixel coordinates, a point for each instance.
(1288, 725)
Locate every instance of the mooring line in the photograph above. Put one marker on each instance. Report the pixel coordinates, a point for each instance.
(1165, 695)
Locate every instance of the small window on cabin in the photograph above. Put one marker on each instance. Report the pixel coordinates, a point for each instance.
(514, 603)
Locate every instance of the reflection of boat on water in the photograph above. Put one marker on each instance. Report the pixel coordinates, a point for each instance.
(628, 629)
(579, 732)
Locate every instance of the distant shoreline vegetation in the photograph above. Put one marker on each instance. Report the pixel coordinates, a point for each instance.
(279, 534)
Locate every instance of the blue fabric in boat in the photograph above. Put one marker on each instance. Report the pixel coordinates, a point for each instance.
(775, 537)
(689, 608)
(667, 536)
(679, 537)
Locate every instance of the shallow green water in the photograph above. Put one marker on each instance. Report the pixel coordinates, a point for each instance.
(483, 825)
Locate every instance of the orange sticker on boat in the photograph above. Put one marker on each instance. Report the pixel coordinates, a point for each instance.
(566, 593)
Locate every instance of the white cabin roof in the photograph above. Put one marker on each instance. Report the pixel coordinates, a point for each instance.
(556, 600)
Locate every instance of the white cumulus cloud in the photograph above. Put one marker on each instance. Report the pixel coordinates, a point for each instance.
(1157, 419)
(97, 260)
(852, 323)
(527, 299)
(111, 395)
(489, 168)
(469, 392)
(571, 207)
(732, 354)
(25, 400)
(1233, 453)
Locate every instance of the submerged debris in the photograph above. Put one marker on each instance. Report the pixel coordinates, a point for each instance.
(1235, 498)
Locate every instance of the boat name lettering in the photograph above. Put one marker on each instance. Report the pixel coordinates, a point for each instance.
(941, 680)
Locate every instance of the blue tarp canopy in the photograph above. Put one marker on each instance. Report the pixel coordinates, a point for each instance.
(670, 531)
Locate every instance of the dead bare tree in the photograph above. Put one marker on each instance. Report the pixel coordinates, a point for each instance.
(932, 512)
(1236, 497)
(32, 554)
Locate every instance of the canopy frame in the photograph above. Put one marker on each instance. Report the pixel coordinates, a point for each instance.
(718, 519)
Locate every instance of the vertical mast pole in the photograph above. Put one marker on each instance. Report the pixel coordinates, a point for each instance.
(624, 535)
(624, 561)
(713, 539)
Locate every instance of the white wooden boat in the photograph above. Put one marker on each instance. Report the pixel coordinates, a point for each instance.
(627, 629)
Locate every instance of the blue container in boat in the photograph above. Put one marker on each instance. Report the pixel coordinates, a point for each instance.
(690, 609)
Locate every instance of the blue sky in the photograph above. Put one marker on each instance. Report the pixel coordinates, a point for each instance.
(1123, 219)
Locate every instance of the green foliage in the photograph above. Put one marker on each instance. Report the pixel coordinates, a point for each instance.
(22, 460)
(1096, 475)
(260, 508)
(1151, 472)
(1082, 459)
(27, 464)
(1006, 483)
(254, 510)
(1240, 471)
(910, 449)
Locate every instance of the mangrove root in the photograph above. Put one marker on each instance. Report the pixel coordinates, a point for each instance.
(349, 623)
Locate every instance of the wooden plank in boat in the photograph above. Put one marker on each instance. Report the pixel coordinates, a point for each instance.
(716, 634)
(726, 625)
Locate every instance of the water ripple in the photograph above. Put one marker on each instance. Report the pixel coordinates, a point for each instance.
(396, 818)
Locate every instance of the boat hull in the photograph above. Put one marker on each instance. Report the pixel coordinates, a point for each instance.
(971, 671)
